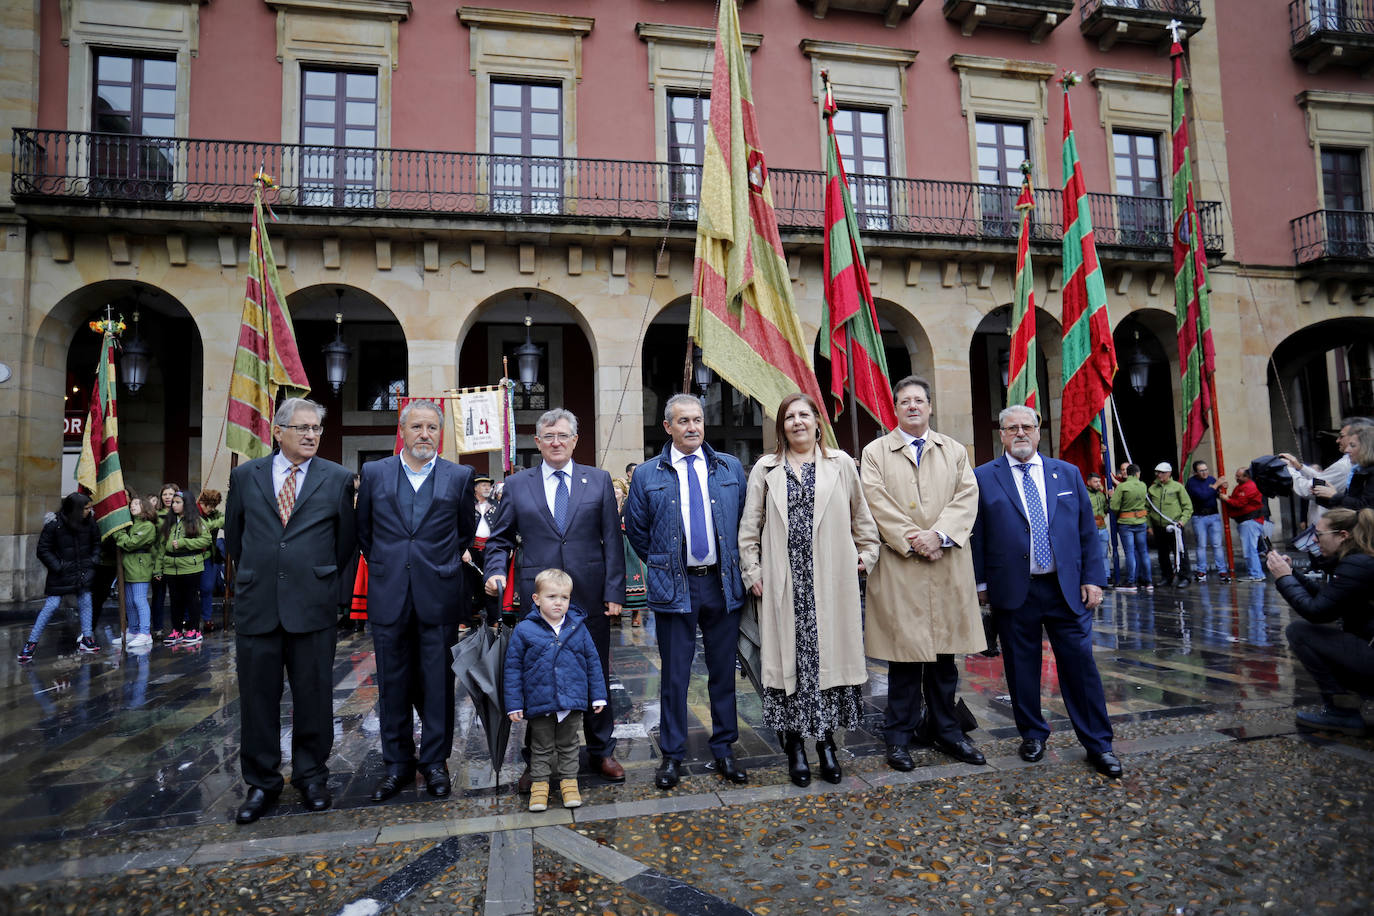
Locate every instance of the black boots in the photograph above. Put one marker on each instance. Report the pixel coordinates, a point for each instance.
(797, 767)
(828, 759)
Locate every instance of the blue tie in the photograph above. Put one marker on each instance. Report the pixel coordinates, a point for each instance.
(919, 444)
(560, 502)
(1040, 527)
(696, 507)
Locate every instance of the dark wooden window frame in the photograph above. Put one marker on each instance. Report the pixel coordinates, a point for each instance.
(524, 182)
(340, 187)
(868, 176)
(132, 160)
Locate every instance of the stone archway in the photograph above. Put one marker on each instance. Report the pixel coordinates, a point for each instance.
(1320, 374)
(1146, 418)
(989, 354)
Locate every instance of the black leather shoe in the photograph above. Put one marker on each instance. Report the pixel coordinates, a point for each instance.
(668, 774)
(899, 758)
(962, 751)
(798, 769)
(315, 796)
(257, 803)
(731, 771)
(1106, 764)
(389, 785)
(828, 760)
(1031, 750)
(437, 781)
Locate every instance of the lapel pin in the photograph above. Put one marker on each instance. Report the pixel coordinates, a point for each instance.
(584, 480)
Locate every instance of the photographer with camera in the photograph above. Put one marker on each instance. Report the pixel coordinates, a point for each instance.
(1307, 479)
(1359, 491)
(1341, 661)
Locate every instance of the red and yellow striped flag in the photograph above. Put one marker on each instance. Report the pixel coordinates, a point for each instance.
(266, 358)
(743, 316)
(98, 469)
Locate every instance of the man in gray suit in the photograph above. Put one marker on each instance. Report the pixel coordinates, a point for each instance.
(416, 517)
(289, 528)
(565, 517)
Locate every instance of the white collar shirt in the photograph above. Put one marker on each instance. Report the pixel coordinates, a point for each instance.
(280, 466)
(679, 461)
(1037, 473)
(417, 478)
(551, 483)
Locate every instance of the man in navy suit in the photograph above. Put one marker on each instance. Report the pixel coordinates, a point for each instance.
(1038, 564)
(565, 517)
(289, 527)
(416, 517)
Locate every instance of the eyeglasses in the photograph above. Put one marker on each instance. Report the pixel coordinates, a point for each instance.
(304, 428)
(1019, 428)
(1318, 532)
(556, 437)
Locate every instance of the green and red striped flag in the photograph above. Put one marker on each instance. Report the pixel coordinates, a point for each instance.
(98, 469)
(1193, 313)
(1022, 382)
(742, 313)
(1089, 356)
(266, 358)
(850, 319)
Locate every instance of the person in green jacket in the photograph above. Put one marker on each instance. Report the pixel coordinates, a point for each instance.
(139, 545)
(1170, 509)
(184, 538)
(1129, 501)
(208, 504)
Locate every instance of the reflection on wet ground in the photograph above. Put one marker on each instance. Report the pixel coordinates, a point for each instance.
(121, 767)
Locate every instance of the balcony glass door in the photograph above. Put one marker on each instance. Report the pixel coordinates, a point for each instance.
(1002, 147)
(526, 147)
(862, 138)
(1347, 223)
(689, 117)
(1141, 214)
(338, 138)
(134, 111)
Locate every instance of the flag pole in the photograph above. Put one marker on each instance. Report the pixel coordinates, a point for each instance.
(1221, 473)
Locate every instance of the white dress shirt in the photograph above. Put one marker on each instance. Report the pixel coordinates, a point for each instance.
(679, 461)
(280, 465)
(417, 478)
(551, 483)
(1037, 473)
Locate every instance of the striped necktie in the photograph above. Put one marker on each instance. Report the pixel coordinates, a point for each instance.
(286, 499)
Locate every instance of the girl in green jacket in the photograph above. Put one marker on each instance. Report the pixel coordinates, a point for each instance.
(139, 545)
(184, 539)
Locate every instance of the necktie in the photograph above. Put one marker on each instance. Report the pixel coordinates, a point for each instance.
(696, 507)
(560, 502)
(919, 444)
(286, 499)
(1041, 554)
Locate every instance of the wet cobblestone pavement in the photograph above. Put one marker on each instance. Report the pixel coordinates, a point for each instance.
(122, 779)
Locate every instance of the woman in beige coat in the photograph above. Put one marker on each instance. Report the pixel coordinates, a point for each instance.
(805, 537)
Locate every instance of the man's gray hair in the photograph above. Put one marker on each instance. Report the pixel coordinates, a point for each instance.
(1355, 422)
(677, 399)
(550, 417)
(422, 404)
(1017, 408)
(287, 411)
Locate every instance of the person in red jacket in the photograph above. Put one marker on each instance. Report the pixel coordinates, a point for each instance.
(1247, 507)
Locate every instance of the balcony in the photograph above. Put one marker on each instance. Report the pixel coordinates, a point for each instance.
(1038, 17)
(102, 173)
(1336, 245)
(1141, 21)
(892, 11)
(1332, 32)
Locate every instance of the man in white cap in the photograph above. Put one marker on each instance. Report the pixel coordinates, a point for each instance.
(1170, 509)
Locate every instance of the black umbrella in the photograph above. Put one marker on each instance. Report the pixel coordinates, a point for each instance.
(479, 661)
(749, 648)
(1271, 475)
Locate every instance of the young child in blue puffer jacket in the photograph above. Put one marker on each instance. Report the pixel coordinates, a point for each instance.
(553, 675)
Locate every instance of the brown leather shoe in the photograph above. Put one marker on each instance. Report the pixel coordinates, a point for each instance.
(609, 769)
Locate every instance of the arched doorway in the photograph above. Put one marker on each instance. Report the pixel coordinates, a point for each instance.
(1147, 359)
(1320, 374)
(566, 375)
(360, 422)
(160, 432)
(734, 422)
(907, 349)
(989, 360)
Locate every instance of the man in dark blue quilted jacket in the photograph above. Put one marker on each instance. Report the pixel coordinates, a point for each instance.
(553, 675)
(682, 517)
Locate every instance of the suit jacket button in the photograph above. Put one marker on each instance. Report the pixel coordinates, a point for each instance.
(911, 505)
(281, 575)
(283, 545)
(407, 566)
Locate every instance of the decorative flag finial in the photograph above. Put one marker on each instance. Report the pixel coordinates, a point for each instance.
(1176, 29)
(1070, 79)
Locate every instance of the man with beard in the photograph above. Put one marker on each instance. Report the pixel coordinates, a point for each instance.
(1039, 564)
(416, 517)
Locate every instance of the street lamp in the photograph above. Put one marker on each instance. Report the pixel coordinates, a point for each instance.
(701, 373)
(1138, 367)
(528, 354)
(133, 365)
(336, 352)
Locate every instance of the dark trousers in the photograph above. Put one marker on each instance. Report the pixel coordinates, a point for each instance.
(184, 592)
(208, 577)
(414, 676)
(308, 662)
(1070, 633)
(100, 590)
(159, 601)
(489, 605)
(1341, 663)
(677, 643)
(920, 699)
(1164, 541)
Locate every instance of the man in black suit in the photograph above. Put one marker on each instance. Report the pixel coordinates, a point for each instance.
(565, 516)
(1039, 565)
(416, 517)
(289, 527)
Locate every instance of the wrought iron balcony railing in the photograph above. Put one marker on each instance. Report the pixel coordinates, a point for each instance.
(115, 168)
(1308, 18)
(1178, 8)
(1333, 234)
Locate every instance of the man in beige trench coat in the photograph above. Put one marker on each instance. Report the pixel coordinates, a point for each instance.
(922, 606)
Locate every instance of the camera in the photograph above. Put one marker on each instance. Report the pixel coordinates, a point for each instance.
(1265, 545)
